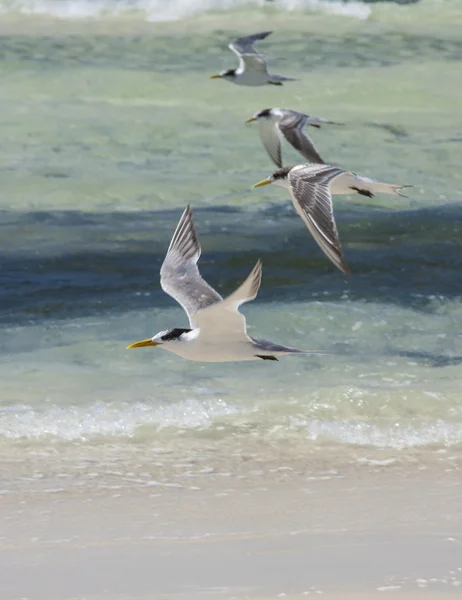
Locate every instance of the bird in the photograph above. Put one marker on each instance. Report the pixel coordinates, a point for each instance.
(217, 330)
(278, 123)
(311, 187)
(252, 69)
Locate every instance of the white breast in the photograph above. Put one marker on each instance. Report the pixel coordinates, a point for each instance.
(250, 79)
(219, 351)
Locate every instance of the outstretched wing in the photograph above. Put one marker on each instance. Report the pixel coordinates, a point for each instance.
(252, 63)
(291, 126)
(244, 45)
(309, 188)
(223, 320)
(249, 59)
(179, 274)
(270, 137)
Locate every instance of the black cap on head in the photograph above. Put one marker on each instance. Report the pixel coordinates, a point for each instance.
(281, 173)
(173, 334)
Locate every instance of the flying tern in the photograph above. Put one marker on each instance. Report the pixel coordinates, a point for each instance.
(217, 330)
(276, 124)
(252, 69)
(311, 187)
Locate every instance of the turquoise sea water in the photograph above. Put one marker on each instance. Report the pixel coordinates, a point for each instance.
(110, 126)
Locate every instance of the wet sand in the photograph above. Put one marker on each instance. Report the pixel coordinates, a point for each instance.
(371, 532)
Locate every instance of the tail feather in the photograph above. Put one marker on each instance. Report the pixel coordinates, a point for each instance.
(388, 188)
(366, 186)
(397, 189)
(280, 78)
(318, 121)
(272, 348)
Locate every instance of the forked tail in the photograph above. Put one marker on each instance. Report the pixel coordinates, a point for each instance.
(387, 188)
(318, 121)
(278, 79)
(369, 187)
(270, 348)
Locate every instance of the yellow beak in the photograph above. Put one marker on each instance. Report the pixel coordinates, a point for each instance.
(215, 77)
(251, 120)
(262, 183)
(142, 344)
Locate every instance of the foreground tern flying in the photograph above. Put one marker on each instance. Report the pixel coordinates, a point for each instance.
(252, 69)
(311, 188)
(217, 331)
(278, 123)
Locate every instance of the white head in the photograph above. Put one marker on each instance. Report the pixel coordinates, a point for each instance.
(265, 114)
(279, 177)
(174, 335)
(230, 74)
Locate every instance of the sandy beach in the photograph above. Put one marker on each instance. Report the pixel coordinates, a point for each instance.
(357, 532)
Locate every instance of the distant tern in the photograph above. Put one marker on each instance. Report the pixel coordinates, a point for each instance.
(252, 69)
(311, 187)
(278, 123)
(217, 331)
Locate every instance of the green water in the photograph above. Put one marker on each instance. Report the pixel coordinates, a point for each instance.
(110, 127)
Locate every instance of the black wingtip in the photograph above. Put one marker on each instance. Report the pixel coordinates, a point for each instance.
(338, 260)
(188, 217)
(255, 37)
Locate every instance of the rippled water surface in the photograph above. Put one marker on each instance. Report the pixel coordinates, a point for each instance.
(110, 126)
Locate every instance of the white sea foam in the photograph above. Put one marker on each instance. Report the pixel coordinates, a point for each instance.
(124, 420)
(101, 419)
(162, 10)
(396, 435)
(358, 10)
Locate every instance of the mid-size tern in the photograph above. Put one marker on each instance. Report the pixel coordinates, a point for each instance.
(311, 187)
(276, 124)
(252, 69)
(217, 330)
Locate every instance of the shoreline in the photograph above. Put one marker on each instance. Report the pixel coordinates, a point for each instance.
(360, 536)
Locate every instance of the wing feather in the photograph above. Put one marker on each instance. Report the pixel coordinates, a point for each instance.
(244, 45)
(250, 60)
(252, 63)
(270, 137)
(247, 291)
(224, 319)
(309, 188)
(179, 274)
(291, 126)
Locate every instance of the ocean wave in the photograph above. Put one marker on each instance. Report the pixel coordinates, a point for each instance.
(396, 436)
(143, 422)
(160, 10)
(108, 420)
